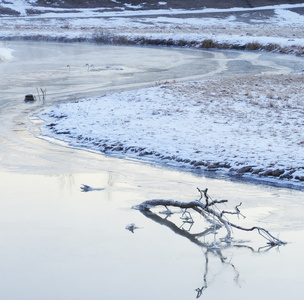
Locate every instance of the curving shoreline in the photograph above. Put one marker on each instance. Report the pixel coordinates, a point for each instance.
(274, 29)
(218, 126)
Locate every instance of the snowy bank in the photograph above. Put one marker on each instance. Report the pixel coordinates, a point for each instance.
(273, 28)
(248, 126)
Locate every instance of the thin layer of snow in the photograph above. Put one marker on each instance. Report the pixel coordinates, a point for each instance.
(284, 27)
(5, 53)
(287, 17)
(128, 5)
(20, 6)
(225, 125)
(23, 5)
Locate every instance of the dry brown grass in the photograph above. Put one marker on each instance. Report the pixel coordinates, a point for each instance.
(253, 46)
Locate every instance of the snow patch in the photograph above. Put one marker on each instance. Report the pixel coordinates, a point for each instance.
(5, 54)
(20, 6)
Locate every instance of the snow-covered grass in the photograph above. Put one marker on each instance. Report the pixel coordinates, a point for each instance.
(275, 28)
(235, 126)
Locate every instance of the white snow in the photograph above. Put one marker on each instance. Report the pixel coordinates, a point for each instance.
(5, 53)
(247, 126)
(284, 28)
(128, 5)
(19, 5)
(285, 16)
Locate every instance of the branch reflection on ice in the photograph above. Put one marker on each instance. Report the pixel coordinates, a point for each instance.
(206, 239)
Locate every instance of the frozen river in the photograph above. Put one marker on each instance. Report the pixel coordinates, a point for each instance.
(60, 243)
(61, 70)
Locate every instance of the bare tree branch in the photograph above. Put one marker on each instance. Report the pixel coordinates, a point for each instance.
(212, 215)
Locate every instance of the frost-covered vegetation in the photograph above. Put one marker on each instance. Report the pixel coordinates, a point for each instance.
(238, 126)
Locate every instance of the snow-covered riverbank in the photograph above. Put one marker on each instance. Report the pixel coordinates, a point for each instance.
(273, 28)
(248, 126)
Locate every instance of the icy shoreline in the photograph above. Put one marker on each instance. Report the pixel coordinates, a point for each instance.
(223, 126)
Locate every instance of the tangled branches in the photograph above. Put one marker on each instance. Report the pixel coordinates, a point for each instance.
(208, 209)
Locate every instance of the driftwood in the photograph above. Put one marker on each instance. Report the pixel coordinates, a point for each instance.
(211, 213)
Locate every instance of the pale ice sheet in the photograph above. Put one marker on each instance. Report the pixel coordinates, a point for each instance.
(65, 244)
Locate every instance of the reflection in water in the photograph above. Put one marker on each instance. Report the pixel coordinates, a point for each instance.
(66, 181)
(210, 247)
(224, 260)
(110, 180)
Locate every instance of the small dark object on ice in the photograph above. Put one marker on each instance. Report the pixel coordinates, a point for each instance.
(87, 188)
(131, 227)
(29, 98)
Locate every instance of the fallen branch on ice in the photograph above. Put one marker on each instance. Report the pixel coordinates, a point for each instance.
(211, 214)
